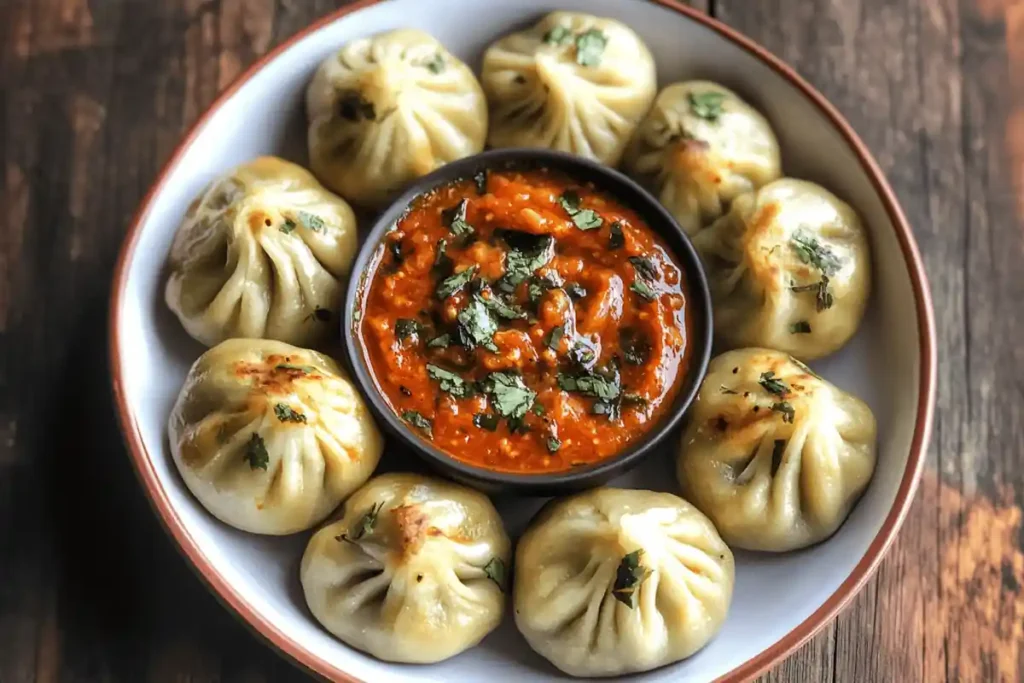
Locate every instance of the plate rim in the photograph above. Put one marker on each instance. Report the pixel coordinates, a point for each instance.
(290, 647)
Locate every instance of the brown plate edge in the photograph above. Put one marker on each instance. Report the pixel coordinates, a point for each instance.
(748, 670)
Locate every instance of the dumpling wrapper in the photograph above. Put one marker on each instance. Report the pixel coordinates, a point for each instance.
(774, 479)
(262, 253)
(573, 560)
(387, 109)
(540, 95)
(698, 148)
(412, 572)
(269, 437)
(789, 268)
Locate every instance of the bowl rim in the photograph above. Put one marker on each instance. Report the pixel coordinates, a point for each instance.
(297, 652)
(606, 179)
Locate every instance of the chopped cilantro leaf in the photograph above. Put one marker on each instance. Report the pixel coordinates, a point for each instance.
(501, 308)
(800, 327)
(787, 410)
(628, 577)
(559, 35)
(256, 453)
(554, 337)
(310, 221)
(441, 342)
(589, 47)
(435, 64)
(454, 283)
(814, 253)
(509, 395)
(285, 413)
(773, 384)
(454, 219)
(553, 443)
(495, 571)
(644, 290)
(450, 382)
(418, 421)
(706, 105)
(476, 326)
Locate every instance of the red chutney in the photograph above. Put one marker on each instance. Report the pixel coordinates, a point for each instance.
(526, 323)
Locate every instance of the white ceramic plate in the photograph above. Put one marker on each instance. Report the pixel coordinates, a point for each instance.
(779, 601)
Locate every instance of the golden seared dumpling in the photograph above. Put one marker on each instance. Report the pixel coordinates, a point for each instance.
(615, 581)
(413, 572)
(700, 146)
(789, 268)
(573, 82)
(775, 455)
(262, 253)
(270, 437)
(388, 109)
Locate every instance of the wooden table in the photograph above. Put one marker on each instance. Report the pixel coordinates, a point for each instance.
(94, 95)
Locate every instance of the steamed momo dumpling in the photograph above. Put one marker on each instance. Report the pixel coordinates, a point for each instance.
(270, 437)
(789, 268)
(388, 109)
(573, 82)
(261, 254)
(775, 455)
(614, 581)
(413, 572)
(700, 146)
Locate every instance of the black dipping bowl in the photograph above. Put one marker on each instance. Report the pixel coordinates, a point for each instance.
(629, 194)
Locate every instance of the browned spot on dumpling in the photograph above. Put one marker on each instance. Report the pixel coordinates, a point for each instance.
(413, 528)
(276, 374)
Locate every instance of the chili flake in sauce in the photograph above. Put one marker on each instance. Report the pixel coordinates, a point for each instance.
(531, 322)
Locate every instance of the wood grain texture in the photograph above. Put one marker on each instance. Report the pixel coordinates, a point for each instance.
(935, 89)
(94, 94)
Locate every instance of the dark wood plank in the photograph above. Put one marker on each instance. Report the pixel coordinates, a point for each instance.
(95, 94)
(936, 89)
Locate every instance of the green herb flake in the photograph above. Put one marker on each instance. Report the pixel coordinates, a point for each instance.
(435, 64)
(553, 443)
(644, 267)
(442, 263)
(587, 219)
(450, 382)
(417, 420)
(616, 239)
(454, 219)
(365, 524)
(644, 290)
(823, 297)
(287, 226)
(800, 327)
(311, 221)
(495, 571)
(778, 448)
(591, 384)
(538, 409)
(706, 105)
(476, 326)
(628, 577)
(773, 384)
(509, 395)
(304, 369)
(559, 35)
(570, 201)
(814, 253)
(524, 257)
(285, 413)
(441, 342)
(502, 308)
(554, 337)
(454, 283)
(480, 179)
(256, 453)
(352, 106)
(787, 410)
(590, 46)
(406, 328)
(486, 421)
